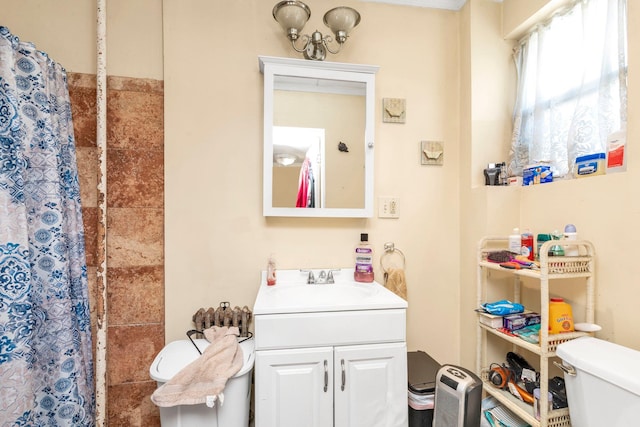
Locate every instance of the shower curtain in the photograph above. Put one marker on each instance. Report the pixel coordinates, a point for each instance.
(46, 366)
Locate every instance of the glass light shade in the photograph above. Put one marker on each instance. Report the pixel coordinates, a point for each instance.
(284, 159)
(291, 15)
(341, 19)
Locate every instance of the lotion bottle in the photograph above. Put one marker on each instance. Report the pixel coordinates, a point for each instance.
(570, 233)
(364, 260)
(514, 241)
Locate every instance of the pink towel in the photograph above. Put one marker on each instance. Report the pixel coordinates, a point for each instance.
(204, 379)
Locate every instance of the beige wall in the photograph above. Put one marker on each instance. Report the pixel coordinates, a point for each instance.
(66, 31)
(217, 240)
(487, 98)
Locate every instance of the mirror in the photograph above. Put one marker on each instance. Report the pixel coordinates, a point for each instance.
(318, 138)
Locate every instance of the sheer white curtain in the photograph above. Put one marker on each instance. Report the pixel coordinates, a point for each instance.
(572, 90)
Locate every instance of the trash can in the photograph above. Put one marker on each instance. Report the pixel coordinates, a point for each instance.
(422, 371)
(233, 412)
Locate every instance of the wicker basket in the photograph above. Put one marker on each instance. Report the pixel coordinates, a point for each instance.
(569, 265)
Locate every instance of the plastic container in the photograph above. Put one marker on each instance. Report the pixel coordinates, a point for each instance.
(556, 250)
(536, 402)
(514, 241)
(616, 161)
(237, 393)
(526, 245)
(560, 316)
(421, 371)
(537, 174)
(542, 237)
(570, 234)
(271, 271)
(364, 260)
(590, 165)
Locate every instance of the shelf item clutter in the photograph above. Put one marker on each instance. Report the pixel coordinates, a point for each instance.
(551, 268)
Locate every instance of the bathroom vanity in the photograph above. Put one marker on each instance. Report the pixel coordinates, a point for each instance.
(329, 354)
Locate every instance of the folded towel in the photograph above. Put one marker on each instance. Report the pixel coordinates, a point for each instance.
(204, 379)
(396, 282)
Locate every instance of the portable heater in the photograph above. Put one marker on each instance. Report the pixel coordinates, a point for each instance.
(458, 398)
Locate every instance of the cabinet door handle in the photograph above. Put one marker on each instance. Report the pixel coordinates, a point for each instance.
(326, 376)
(344, 375)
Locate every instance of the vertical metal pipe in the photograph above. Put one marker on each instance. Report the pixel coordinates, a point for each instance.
(101, 142)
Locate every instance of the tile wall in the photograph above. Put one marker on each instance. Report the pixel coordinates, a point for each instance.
(134, 234)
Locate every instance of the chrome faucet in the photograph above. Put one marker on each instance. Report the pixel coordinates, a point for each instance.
(324, 277)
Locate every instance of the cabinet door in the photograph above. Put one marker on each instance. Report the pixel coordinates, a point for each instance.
(294, 388)
(371, 385)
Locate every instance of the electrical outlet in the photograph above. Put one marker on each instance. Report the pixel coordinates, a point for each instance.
(388, 207)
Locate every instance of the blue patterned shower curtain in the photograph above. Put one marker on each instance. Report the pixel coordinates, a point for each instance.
(46, 366)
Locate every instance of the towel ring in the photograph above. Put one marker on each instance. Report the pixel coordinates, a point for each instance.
(392, 258)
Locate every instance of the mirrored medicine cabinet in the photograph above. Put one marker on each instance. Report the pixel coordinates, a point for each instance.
(318, 138)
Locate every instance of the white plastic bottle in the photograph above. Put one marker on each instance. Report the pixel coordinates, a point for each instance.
(514, 241)
(364, 260)
(571, 234)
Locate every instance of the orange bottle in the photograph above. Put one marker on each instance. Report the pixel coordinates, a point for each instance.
(560, 316)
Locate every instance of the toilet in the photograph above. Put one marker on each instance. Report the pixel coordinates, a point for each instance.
(233, 412)
(605, 390)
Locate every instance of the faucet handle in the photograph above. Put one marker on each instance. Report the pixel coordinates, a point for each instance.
(330, 277)
(310, 278)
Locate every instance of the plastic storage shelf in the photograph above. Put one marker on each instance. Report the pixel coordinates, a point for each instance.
(551, 268)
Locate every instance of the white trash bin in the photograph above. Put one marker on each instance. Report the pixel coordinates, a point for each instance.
(234, 411)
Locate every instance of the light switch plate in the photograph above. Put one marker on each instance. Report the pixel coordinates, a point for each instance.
(388, 207)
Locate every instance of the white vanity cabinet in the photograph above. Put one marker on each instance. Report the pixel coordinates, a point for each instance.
(344, 386)
(368, 390)
(292, 387)
(341, 364)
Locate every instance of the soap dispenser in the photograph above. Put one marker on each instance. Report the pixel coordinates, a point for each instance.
(271, 271)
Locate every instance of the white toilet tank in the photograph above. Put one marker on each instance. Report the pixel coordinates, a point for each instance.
(605, 390)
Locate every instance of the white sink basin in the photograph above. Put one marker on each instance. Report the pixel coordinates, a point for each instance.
(292, 294)
(324, 294)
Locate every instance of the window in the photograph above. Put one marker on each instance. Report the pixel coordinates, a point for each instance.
(572, 86)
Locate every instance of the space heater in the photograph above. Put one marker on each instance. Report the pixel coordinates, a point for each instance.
(458, 398)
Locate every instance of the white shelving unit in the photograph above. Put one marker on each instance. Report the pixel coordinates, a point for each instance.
(551, 269)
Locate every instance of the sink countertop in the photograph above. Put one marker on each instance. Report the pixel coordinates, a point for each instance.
(292, 294)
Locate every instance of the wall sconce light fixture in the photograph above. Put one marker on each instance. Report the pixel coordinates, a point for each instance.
(293, 14)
